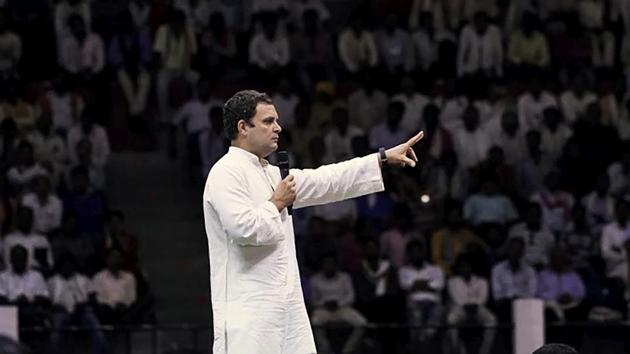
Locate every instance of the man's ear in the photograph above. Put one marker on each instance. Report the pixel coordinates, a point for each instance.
(242, 127)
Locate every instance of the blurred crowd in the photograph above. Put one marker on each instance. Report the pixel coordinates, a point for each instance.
(522, 189)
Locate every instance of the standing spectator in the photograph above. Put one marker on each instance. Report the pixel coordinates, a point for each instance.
(332, 296)
(561, 288)
(66, 9)
(194, 115)
(115, 290)
(174, 46)
(92, 131)
(24, 287)
(82, 51)
(218, 46)
(512, 279)
(480, 49)
(538, 240)
(71, 295)
(469, 294)
(423, 282)
(38, 248)
(212, 142)
(357, 47)
(46, 206)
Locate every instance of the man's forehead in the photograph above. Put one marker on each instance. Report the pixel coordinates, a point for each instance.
(264, 110)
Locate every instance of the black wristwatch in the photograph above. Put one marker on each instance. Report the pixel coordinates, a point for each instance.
(382, 155)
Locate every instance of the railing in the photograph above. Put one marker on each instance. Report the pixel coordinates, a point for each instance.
(394, 338)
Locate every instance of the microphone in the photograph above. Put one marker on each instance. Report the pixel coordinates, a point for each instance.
(283, 164)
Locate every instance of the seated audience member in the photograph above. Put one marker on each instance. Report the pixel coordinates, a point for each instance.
(117, 238)
(512, 279)
(615, 244)
(561, 287)
(332, 297)
(450, 241)
(489, 206)
(85, 160)
(423, 283)
(394, 240)
(71, 295)
(48, 146)
(376, 286)
(115, 291)
(95, 133)
(599, 205)
(38, 250)
(538, 239)
(47, 207)
(82, 246)
(86, 204)
(469, 295)
(24, 288)
(556, 204)
(25, 169)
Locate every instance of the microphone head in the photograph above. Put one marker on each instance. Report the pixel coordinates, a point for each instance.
(283, 159)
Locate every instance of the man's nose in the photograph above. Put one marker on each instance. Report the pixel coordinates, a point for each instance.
(278, 128)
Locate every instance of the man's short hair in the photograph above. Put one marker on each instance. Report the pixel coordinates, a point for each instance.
(555, 348)
(241, 106)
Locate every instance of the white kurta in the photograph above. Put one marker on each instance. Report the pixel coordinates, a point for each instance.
(257, 301)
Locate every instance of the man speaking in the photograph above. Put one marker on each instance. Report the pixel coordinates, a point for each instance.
(257, 298)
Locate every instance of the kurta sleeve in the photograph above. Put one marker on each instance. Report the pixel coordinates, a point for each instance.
(245, 222)
(339, 181)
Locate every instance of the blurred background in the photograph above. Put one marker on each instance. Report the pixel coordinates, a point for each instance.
(111, 117)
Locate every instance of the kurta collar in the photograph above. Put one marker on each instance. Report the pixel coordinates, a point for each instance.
(247, 155)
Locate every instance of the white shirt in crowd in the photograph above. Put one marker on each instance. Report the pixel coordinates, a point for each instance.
(366, 110)
(408, 275)
(531, 108)
(382, 136)
(70, 292)
(552, 143)
(176, 52)
(285, 106)
(64, 109)
(339, 289)
(99, 139)
(31, 242)
(50, 148)
(480, 52)
(396, 50)
(357, 52)
(47, 214)
(339, 147)
(20, 176)
(471, 147)
(11, 49)
(77, 57)
(30, 284)
(194, 114)
(574, 106)
(266, 53)
(112, 290)
(538, 243)
(613, 249)
(471, 292)
(414, 108)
